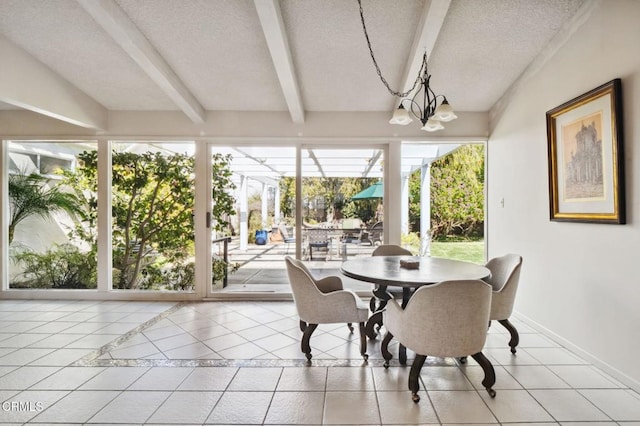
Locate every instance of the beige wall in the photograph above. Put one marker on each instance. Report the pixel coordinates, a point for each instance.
(579, 281)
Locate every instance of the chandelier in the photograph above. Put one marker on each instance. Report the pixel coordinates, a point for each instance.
(423, 105)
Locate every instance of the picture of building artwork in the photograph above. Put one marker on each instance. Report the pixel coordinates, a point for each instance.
(583, 163)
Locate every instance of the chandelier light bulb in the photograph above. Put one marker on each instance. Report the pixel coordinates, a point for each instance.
(432, 125)
(444, 112)
(401, 116)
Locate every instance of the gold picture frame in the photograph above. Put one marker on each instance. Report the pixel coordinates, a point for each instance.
(586, 159)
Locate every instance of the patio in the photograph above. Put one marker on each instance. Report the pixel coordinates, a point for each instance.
(263, 270)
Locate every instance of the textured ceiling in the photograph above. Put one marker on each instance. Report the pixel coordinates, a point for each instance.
(218, 50)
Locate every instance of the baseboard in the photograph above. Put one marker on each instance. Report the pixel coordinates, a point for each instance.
(607, 368)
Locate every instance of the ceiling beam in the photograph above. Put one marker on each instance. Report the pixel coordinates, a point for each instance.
(261, 161)
(119, 26)
(431, 20)
(27, 83)
(372, 162)
(312, 155)
(274, 32)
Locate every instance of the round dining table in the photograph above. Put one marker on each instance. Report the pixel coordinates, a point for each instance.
(388, 271)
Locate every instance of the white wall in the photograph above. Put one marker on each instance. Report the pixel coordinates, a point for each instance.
(580, 282)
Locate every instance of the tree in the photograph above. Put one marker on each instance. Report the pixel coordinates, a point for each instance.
(457, 194)
(33, 195)
(336, 194)
(152, 207)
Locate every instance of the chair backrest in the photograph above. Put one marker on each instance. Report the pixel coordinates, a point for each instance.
(303, 287)
(448, 319)
(284, 232)
(391, 250)
(505, 275)
(318, 236)
(351, 223)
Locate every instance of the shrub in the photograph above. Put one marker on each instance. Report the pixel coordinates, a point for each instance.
(62, 266)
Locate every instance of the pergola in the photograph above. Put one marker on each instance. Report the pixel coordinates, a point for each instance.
(257, 170)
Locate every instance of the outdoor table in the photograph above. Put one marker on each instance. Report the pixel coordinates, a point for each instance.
(385, 271)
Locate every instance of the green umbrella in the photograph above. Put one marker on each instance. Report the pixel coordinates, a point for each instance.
(374, 191)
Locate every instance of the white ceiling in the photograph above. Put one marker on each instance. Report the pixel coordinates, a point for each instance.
(279, 55)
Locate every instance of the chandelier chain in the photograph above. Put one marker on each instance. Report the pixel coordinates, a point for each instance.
(375, 63)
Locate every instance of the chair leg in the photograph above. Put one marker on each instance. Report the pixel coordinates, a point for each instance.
(414, 376)
(303, 326)
(350, 327)
(306, 348)
(489, 373)
(385, 349)
(363, 341)
(515, 338)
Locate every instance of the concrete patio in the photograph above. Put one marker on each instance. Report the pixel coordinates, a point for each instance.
(263, 269)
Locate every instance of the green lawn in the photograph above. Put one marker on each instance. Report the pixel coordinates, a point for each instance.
(472, 251)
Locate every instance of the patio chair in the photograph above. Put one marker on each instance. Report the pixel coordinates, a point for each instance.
(324, 301)
(286, 237)
(318, 239)
(448, 319)
(505, 275)
(376, 233)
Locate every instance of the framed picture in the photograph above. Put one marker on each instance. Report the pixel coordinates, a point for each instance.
(586, 159)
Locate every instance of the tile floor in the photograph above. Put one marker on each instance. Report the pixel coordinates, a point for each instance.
(133, 363)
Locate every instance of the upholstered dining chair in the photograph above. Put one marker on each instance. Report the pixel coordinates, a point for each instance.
(505, 275)
(448, 319)
(390, 250)
(324, 301)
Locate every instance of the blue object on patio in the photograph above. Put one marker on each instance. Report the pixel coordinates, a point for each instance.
(261, 237)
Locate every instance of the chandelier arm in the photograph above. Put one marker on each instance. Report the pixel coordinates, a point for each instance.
(375, 63)
(413, 104)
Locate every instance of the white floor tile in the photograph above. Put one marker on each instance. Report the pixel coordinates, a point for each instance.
(115, 378)
(568, 405)
(186, 407)
(28, 405)
(244, 351)
(303, 379)
(241, 408)
(256, 379)
(391, 379)
(448, 406)
(299, 408)
(209, 379)
(24, 377)
(582, 376)
(535, 376)
(555, 356)
(24, 356)
(131, 407)
(512, 406)
(619, 404)
(193, 351)
(61, 357)
(161, 378)
(351, 408)
(68, 378)
(76, 407)
(397, 407)
(349, 379)
(504, 380)
(444, 378)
